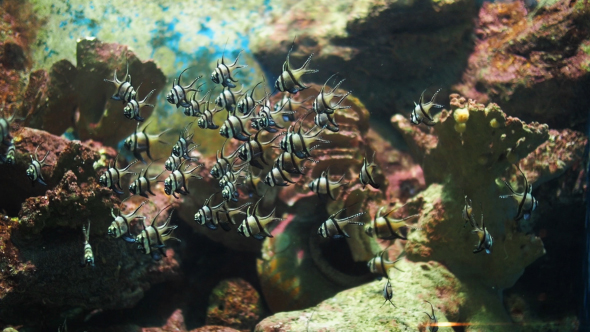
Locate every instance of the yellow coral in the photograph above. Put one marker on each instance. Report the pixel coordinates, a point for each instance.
(460, 127)
(461, 115)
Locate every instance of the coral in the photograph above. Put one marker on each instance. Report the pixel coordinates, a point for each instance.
(79, 93)
(234, 303)
(43, 246)
(400, 47)
(537, 63)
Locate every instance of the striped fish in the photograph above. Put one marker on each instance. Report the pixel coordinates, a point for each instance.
(194, 108)
(205, 216)
(252, 183)
(143, 185)
(323, 185)
(388, 293)
(433, 325)
(182, 147)
(290, 79)
(112, 177)
(290, 163)
(10, 157)
(121, 225)
(288, 105)
(222, 74)
(131, 110)
(300, 143)
(467, 213)
(34, 170)
(247, 104)
(173, 161)
(380, 265)
(177, 180)
(384, 227)
(178, 93)
(230, 192)
(253, 151)
(206, 119)
(231, 175)
(222, 163)
(234, 127)
(124, 91)
(366, 174)
(485, 239)
(88, 258)
(334, 228)
(256, 226)
(325, 120)
(277, 178)
(141, 142)
(225, 216)
(323, 102)
(268, 119)
(227, 99)
(152, 238)
(525, 200)
(5, 129)
(421, 111)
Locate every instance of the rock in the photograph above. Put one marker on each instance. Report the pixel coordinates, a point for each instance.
(234, 303)
(401, 48)
(43, 246)
(174, 323)
(539, 57)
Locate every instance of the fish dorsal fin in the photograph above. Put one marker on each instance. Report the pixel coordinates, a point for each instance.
(182, 72)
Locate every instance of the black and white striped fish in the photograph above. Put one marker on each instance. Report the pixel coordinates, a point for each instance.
(5, 129)
(387, 228)
(143, 185)
(235, 127)
(252, 183)
(270, 120)
(121, 225)
(467, 213)
(525, 200)
(388, 293)
(139, 142)
(178, 93)
(290, 79)
(10, 157)
(205, 121)
(230, 191)
(227, 99)
(152, 238)
(325, 120)
(380, 265)
(124, 91)
(173, 161)
(287, 104)
(246, 105)
(290, 163)
(194, 108)
(421, 111)
(222, 74)
(323, 102)
(231, 175)
(276, 177)
(34, 170)
(301, 144)
(485, 239)
(366, 173)
(112, 177)
(334, 228)
(226, 215)
(177, 180)
(433, 325)
(182, 147)
(323, 185)
(222, 163)
(253, 151)
(88, 258)
(131, 110)
(256, 226)
(205, 216)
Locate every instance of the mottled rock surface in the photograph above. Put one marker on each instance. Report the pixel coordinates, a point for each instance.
(234, 303)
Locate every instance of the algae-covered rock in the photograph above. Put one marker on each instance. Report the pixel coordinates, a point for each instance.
(234, 303)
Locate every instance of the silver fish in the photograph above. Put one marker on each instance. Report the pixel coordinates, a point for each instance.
(34, 170)
(177, 180)
(205, 216)
(112, 177)
(124, 90)
(222, 163)
(323, 185)
(194, 108)
(290, 163)
(388, 293)
(421, 111)
(222, 74)
(143, 185)
(152, 238)
(301, 144)
(325, 120)
(121, 225)
(139, 142)
(525, 200)
(323, 102)
(178, 93)
(256, 226)
(277, 178)
(131, 110)
(247, 104)
(182, 147)
(173, 161)
(227, 99)
(290, 79)
(270, 120)
(230, 191)
(334, 227)
(253, 151)
(366, 174)
(88, 258)
(234, 127)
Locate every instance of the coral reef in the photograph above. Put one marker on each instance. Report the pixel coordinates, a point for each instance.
(537, 62)
(234, 303)
(78, 97)
(399, 47)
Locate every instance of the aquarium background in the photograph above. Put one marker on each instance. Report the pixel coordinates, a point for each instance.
(513, 82)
